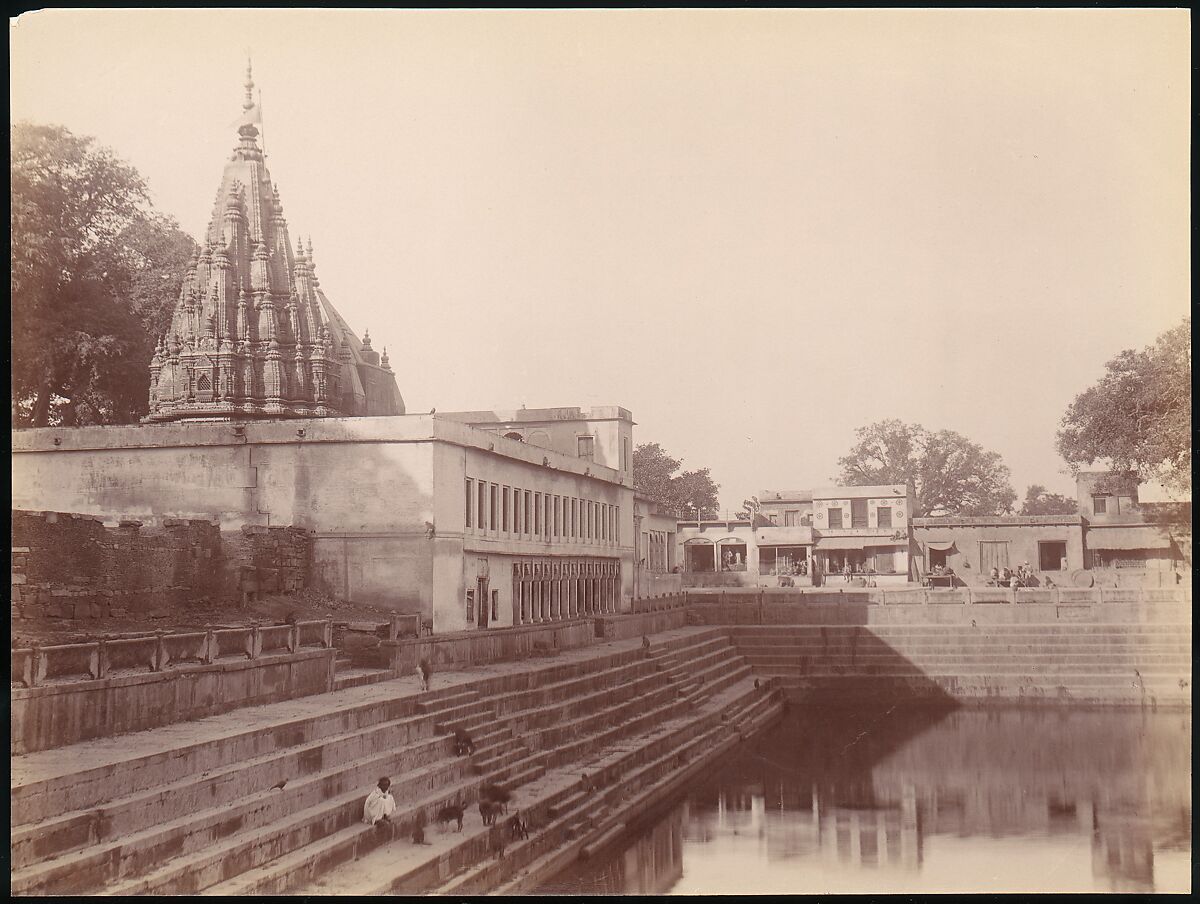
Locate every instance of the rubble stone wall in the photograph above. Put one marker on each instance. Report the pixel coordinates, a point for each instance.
(75, 566)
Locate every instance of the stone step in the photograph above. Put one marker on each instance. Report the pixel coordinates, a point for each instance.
(934, 643)
(570, 736)
(224, 786)
(446, 720)
(1065, 649)
(447, 698)
(49, 783)
(293, 869)
(1093, 677)
(358, 677)
(1074, 628)
(521, 875)
(142, 853)
(968, 665)
(545, 718)
(499, 759)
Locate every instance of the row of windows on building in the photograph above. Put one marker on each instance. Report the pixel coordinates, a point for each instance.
(545, 591)
(498, 509)
(1113, 505)
(836, 516)
(858, 516)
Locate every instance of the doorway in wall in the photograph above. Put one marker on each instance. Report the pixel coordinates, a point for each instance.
(481, 594)
(1051, 555)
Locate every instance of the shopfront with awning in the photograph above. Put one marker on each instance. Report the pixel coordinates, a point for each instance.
(864, 555)
(1131, 546)
(938, 552)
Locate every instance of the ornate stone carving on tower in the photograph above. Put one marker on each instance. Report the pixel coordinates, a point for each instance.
(253, 335)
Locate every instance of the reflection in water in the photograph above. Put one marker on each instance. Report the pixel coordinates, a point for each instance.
(912, 800)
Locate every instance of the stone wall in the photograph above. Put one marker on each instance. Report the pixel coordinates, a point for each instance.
(74, 566)
(55, 715)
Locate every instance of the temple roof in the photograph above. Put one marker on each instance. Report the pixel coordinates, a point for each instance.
(252, 333)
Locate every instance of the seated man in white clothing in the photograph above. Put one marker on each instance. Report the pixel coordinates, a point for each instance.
(379, 807)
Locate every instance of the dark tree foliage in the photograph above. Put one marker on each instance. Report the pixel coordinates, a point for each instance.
(1138, 417)
(683, 494)
(950, 474)
(1039, 502)
(94, 274)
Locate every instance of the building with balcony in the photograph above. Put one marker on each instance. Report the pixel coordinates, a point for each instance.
(865, 530)
(804, 538)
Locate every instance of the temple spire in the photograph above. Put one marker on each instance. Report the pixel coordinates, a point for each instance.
(249, 101)
(251, 336)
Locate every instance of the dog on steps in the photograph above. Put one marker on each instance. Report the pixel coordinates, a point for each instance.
(464, 745)
(452, 812)
(497, 794)
(488, 810)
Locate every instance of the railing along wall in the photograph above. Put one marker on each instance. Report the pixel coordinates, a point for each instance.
(659, 603)
(36, 665)
(959, 596)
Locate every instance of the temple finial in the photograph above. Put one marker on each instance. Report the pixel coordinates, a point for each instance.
(249, 101)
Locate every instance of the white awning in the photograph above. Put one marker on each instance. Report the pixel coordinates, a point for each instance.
(858, 543)
(1143, 537)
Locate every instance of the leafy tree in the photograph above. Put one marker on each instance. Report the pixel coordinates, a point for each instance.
(950, 474)
(94, 276)
(1138, 416)
(682, 494)
(1039, 502)
(750, 508)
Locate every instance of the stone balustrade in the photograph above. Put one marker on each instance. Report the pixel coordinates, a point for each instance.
(1056, 596)
(37, 665)
(658, 603)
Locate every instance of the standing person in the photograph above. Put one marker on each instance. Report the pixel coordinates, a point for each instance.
(995, 576)
(379, 807)
(425, 670)
(846, 572)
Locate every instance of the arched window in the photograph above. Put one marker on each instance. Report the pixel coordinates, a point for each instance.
(514, 435)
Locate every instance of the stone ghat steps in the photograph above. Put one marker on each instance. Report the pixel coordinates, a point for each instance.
(219, 787)
(1132, 634)
(185, 750)
(923, 640)
(357, 676)
(304, 863)
(169, 856)
(972, 650)
(1031, 675)
(1005, 690)
(1071, 627)
(612, 718)
(966, 665)
(214, 834)
(581, 832)
(565, 809)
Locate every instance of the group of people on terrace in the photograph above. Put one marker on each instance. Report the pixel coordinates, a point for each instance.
(1022, 577)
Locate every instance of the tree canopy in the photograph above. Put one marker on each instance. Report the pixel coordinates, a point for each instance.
(94, 275)
(1039, 502)
(950, 474)
(683, 494)
(1137, 418)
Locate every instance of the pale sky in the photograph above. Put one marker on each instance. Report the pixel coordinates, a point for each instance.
(757, 230)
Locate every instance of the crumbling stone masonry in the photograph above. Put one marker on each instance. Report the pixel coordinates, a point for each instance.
(73, 566)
